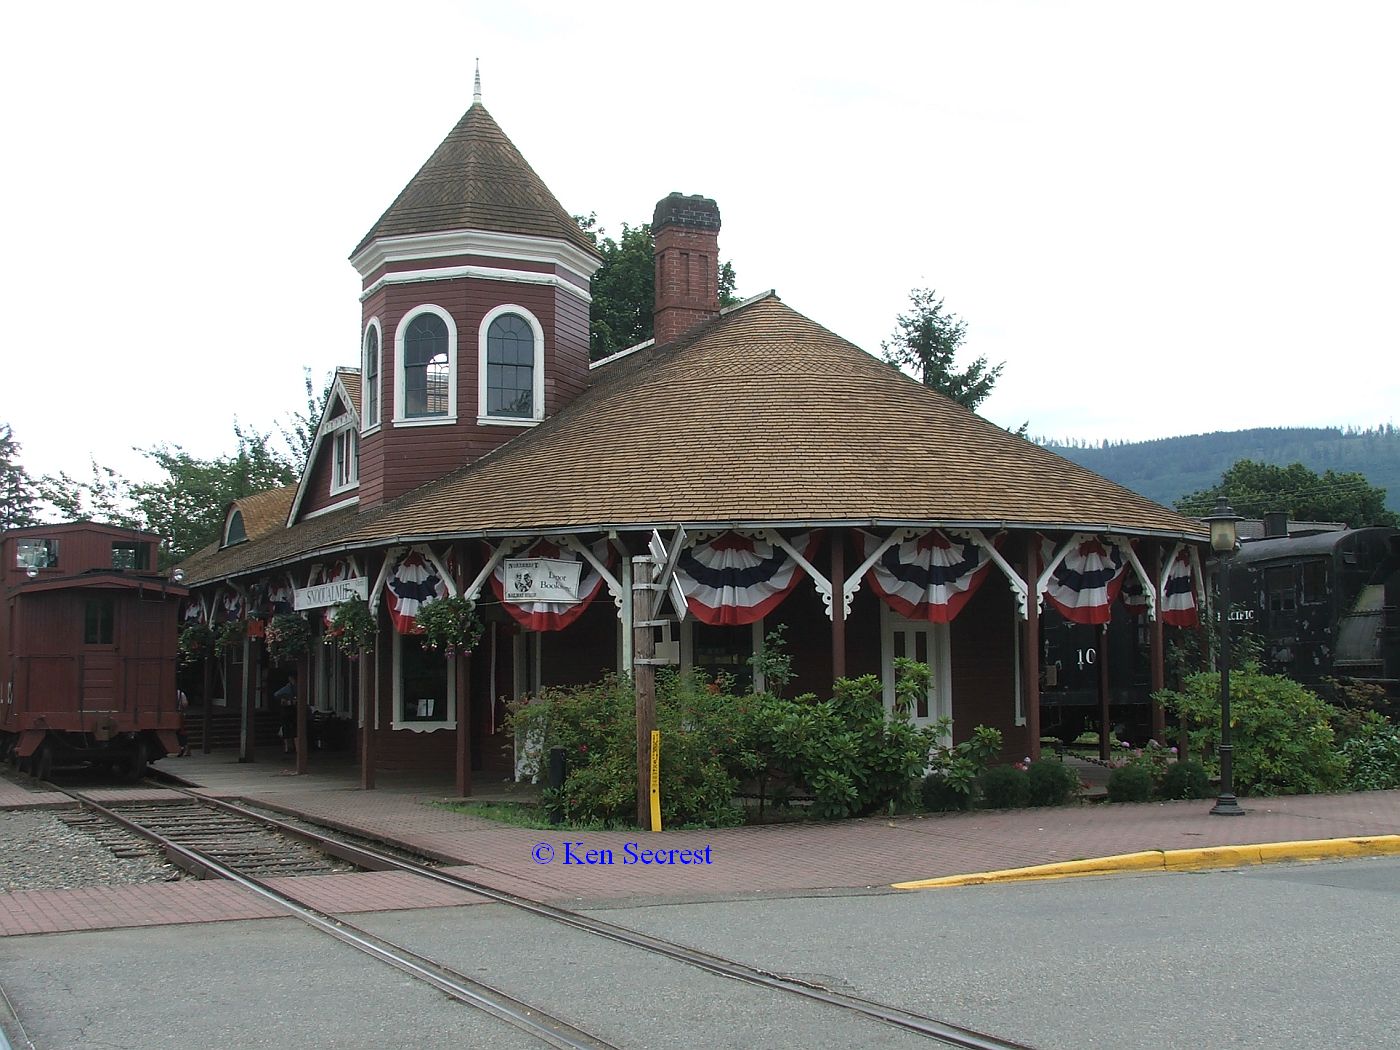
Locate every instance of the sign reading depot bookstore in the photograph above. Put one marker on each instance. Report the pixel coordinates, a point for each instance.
(324, 594)
(542, 580)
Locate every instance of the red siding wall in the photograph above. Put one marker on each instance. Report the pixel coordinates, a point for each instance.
(984, 661)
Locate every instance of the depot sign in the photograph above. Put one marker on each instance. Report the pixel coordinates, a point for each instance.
(324, 594)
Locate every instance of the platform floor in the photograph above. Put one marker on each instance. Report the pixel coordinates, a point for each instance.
(786, 859)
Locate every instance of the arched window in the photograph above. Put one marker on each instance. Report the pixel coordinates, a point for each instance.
(234, 532)
(512, 367)
(426, 356)
(369, 393)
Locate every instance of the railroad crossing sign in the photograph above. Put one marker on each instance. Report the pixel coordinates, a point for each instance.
(666, 578)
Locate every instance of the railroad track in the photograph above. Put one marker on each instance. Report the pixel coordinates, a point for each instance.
(551, 1030)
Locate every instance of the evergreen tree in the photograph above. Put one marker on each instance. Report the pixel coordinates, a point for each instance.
(1255, 489)
(17, 490)
(927, 339)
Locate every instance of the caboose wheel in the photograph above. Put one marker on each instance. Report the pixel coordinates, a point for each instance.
(42, 762)
(132, 764)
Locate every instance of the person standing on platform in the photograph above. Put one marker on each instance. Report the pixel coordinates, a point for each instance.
(286, 698)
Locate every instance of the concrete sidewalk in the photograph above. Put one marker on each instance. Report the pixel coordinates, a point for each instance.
(848, 856)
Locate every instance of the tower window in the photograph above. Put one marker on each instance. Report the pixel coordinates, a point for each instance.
(510, 367)
(426, 351)
(370, 392)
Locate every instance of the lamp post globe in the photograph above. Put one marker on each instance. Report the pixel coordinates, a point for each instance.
(1224, 538)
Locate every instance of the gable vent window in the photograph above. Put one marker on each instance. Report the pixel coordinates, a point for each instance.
(345, 471)
(234, 532)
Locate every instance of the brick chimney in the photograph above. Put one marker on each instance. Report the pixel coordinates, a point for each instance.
(685, 235)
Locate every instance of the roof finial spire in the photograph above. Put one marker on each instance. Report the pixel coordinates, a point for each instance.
(476, 91)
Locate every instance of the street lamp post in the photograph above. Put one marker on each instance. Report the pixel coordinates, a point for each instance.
(1224, 537)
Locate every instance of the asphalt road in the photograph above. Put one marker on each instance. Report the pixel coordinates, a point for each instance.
(1283, 956)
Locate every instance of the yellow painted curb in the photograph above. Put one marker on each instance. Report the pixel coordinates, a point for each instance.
(1175, 860)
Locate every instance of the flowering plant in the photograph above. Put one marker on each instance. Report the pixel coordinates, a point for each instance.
(229, 636)
(196, 642)
(450, 624)
(288, 637)
(353, 628)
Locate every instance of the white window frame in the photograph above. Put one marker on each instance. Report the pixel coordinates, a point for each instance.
(537, 414)
(371, 423)
(345, 476)
(940, 665)
(400, 390)
(450, 722)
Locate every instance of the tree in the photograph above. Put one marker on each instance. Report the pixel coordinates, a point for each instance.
(926, 339)
(624, 288)
(17, 492)
(1255, 489)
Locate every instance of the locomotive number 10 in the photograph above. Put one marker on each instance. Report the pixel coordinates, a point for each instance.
(1087, 658)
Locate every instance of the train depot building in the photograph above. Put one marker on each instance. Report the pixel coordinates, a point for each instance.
(476, 445)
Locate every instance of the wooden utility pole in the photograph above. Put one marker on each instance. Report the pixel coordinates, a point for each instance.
(644, 678)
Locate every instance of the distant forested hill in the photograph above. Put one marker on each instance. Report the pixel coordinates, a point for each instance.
(1169, 468)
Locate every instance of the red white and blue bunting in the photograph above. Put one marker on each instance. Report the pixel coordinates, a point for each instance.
(554, 616)
(734, 579)
(1179, 594)
(281, 595)
(413, 582)
(1086, 583)
(930, 577)
(228, 606)
(334, 574)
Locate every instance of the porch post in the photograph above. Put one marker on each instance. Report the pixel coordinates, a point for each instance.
(1159, 656)
(369, 691)
(303, 691)
(1031, 648)
(1105, 719)
(462, 667)
(208, 716)
(838, 604)
(247, 728)
(644, 677)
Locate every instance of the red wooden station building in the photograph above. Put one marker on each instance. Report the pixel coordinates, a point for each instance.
(818, 488)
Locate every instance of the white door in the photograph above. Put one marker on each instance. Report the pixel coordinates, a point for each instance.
(926, 643)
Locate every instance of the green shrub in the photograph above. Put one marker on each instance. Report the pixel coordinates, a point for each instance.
(952, 779)
(1049, 782)
(1372, 756)
(1130, 783)
(1184, 779)
(1005, 787)
(1282, 732)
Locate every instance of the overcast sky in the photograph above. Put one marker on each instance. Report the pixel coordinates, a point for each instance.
(1164, 218)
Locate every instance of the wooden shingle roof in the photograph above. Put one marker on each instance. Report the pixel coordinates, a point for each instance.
(760, 417)
(764, 416)
(477, 180)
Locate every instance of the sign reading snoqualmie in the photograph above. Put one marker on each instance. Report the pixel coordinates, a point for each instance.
(542, 580)
(324, 594)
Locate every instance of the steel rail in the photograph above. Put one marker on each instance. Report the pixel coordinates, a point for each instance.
(543, 1026)
(945, 1032)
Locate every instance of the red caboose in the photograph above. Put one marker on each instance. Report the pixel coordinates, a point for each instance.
(89, 657)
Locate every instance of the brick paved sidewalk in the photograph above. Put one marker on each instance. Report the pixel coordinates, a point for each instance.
(777, 859)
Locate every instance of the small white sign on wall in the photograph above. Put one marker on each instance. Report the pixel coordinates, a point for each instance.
(542, 580)
(324, 594)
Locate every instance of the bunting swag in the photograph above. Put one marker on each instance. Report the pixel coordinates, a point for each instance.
(929, 577)
(554, 616)
(280, 596)
(1179, 596)
(229, 606)
(337, 572)
(1085, 584)
(412, 583)
(191, 611)
(734, 579)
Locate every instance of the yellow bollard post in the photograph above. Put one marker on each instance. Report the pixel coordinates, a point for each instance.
(655, 780)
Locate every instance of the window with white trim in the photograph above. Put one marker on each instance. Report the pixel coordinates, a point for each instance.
(425, 371)
(369, 387)
(425, 689)
(345, 466)
(510, 367)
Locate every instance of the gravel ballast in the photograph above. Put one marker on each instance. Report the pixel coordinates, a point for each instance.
(39, 852)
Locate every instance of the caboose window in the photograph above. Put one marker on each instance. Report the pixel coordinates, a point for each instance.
(1314, 583)
(36, 554)
(98, 614)
(131, 556)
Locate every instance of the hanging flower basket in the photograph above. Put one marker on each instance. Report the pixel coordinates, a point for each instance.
(288, 637)
(229, 636)
(354, 629)
(196, 642)
(450, 624)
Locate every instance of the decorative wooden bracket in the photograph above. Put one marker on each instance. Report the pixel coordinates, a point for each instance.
(822, 583)
(1019, 590)
(575, 544)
